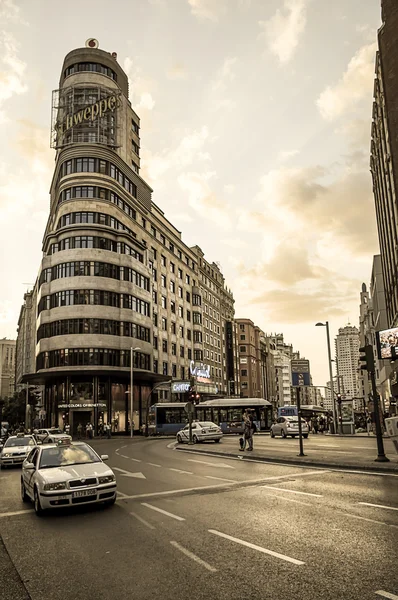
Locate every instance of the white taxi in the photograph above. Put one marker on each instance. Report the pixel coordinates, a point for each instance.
(66, 474)
(16, 449)
(202, 431)
(50, 436)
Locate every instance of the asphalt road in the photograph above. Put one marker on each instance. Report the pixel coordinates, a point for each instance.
(196, 526)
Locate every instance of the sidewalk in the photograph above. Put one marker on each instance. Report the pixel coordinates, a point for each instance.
(362, 461)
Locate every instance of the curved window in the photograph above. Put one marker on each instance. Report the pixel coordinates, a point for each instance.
(95, 326)
(94, 269)
(73, 357)
(93, 298)
(90, 67)
(92, 218)
(92, 191)
(97, 165)
(88, 241)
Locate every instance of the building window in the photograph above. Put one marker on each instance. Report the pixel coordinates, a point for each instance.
(164, 345)
(163, 280)
(187, 279)
(189, 354)
(164, 324)
(155, 342)
(172, 267)
(174, 370)
(171, 246)
(188, 315)
(181, 312)
(182, 351)
(242, 348)
(164, 302)
(198, 355)
(242, 337)
(244, 373)
(181, 331)
(188, 297)
(162, 239)
(155, 366)
(165, 368)
(163, 260)
(189, 335)
(172, 306)
(241, 327)
(197, 336)
(153, 231)
(179, 273)
(180, 292)
(172, 287)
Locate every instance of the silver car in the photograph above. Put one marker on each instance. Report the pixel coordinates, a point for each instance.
(51, 435)
(285, 426)
(16, 449)
(202, 431)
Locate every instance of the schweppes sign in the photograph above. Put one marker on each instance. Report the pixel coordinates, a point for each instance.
(89, 113)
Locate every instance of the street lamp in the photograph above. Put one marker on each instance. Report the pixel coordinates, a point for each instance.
(132, 350)
(330, 371)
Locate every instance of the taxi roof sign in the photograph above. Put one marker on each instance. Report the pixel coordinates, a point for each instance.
(64, 442)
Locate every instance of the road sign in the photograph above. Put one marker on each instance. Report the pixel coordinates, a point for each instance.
(189, 408)
(300, 372)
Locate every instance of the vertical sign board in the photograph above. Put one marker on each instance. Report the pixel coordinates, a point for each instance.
(300, 372)
(229, 351)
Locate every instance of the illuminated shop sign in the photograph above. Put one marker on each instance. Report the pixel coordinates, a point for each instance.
(180, 387)
(87, 405)
(89, 113)
(200, 371)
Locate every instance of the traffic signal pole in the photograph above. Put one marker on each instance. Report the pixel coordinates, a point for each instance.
(368, 364)
(301, 453)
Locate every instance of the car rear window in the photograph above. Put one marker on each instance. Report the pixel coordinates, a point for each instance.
(207, 424)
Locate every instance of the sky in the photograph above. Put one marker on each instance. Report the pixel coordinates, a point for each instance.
(255, 135)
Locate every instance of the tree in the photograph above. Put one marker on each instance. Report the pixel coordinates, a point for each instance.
(14, 408)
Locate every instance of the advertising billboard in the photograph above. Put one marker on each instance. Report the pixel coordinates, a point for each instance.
(387, 343)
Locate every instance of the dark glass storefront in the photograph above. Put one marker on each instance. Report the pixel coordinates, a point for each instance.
(97, 400)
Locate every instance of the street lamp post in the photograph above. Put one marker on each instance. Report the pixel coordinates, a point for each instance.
(330, 371)
(132, 350)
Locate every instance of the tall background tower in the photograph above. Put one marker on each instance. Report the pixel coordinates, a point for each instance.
(347, 354)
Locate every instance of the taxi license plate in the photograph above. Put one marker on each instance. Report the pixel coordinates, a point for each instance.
(84, 493)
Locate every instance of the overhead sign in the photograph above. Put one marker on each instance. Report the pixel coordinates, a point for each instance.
(87, 405)
(180, 387)
(200, 371)
(89, 113)
(206, 388)
(300, 372)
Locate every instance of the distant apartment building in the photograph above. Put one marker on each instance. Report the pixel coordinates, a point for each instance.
(7, 367)
(347, 355)
(256, 362)
(282, 359)
(26, 339)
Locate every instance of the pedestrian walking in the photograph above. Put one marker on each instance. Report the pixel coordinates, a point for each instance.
(79, 431)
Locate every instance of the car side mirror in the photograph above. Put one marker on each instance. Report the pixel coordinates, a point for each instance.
(104, 457)
(39, 442)
(29, 465)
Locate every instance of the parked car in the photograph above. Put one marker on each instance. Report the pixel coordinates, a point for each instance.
(285, 426)
(51, 435)
(16, 448)
(202, 431)
(66, 474)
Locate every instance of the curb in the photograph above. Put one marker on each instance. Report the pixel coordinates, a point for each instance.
(293, 461)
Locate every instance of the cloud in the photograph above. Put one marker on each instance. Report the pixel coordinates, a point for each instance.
(210, 10)
(177, 71)
(284, 29)
(12, 73)
(10, 12)
(203, 200)
(356, 131)
(146, 102)
(229, 188)
(355, 84)
(285, 155)
(220, 94)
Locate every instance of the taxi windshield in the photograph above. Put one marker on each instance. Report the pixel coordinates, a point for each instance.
(21, 441)
(53, 431)
(63, 456)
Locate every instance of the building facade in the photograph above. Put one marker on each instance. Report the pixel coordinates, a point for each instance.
(7, 368)
(347, 355)
(116, 280)
(26, 338)
(384, 153)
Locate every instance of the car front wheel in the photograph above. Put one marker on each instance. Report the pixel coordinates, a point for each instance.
(24, 495)
(217, 441)
(38, 509)
(305, 435)
(272, 434)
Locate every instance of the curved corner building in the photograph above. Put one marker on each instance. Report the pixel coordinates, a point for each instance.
(115, 274)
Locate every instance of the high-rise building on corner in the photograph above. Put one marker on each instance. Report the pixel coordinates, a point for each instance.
(116, 277)
(384, 153)
(7, 368)
(347, 355)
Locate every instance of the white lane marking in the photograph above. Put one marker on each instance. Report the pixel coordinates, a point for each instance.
(258, 548)
(194, 557)
(121, 494)
(378, 505)
(134, 459)
(172, 445)
(153, 465)
(370, 520)
(364, 472)
(123, 456)
(291, 500)
(271, 487)
(221, 479)
(363, 448)
(326, 446)
(180, 471)
(142, 520)
(294, 475)
(121, 448)
(209, 464)
(164, 512)
(17, 512)
(117, 450)
(386, 595)
(129, 474)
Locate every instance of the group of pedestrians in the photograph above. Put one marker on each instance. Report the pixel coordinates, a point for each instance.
(104, 429)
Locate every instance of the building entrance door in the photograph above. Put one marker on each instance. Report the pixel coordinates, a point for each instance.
(83, 417)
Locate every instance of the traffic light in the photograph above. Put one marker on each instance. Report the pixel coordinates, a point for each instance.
(339, 398)
(366, 358)
(196, 398)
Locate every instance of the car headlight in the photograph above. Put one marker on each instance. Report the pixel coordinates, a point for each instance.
(48, 487)
(106, 479)
(6, 454)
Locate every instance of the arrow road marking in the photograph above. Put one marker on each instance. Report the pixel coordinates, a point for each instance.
(210, 464)
(194, 557)
(378, 505)
(386, 595)
(128, 474)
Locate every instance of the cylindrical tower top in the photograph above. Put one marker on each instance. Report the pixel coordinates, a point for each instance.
(95, 56)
